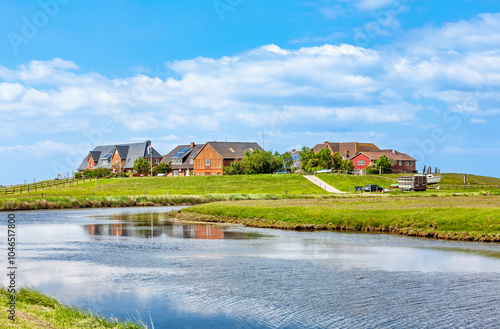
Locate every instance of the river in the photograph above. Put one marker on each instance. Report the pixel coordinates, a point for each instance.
(133, 262)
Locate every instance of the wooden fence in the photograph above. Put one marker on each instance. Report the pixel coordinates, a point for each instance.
(41, 185)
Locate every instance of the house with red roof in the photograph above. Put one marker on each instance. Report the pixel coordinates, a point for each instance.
(404, 162)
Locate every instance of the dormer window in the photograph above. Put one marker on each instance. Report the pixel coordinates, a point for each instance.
(105, 162)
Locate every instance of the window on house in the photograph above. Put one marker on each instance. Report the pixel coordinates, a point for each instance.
(156, 161)
(399, 163)
(105, 162)
(116, 161)
(207, 162)
(361, 162)
(408, 163)
(213, 174)
(191, 161)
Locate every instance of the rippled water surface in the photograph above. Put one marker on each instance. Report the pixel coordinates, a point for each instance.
(127, 262)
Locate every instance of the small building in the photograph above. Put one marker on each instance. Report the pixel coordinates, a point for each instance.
(214, 155)
(120, 157)
(182, 159)
(346, 149)
(404, 162)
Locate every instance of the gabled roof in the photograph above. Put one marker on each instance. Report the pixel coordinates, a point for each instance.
(95, 155)
(128, 152)
(186, 156)
(392, 154)
(234, 150)
(346, 147)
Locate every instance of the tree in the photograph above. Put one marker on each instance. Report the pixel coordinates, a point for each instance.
(325, 158)
(312, 165)
(347, 165)
(162, 168)
(236, 168)
(261, 162)
(285, 159)
(142, 165)
(305, 155)
(384, 163)
(337, 161)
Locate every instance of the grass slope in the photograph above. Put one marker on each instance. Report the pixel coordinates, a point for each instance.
(455, 217)
(36, 310)
(194, 185)
(347, 183)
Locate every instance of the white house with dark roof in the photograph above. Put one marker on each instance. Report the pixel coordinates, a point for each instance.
(122, 156)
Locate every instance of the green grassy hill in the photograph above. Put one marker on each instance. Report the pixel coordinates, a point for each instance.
(194, 185)
(345, 182)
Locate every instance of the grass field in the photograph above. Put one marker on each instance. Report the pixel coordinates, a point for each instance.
(457, 179)
(347, 183)
(36, 310)
(454, 217)
(194, 185)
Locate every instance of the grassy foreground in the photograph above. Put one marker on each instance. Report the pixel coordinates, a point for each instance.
(36, 310)
(193, 185)
(471, 218)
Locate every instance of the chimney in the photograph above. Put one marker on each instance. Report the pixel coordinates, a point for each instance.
(192, 144)
(293, 150)
(325, 142)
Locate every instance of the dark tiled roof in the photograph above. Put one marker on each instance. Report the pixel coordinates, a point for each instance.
(128, 152)
(186, 157)
(234, 150)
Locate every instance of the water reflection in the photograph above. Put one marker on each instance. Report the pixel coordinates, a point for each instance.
(159, 226)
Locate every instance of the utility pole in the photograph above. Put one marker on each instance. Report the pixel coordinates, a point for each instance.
(263, 142)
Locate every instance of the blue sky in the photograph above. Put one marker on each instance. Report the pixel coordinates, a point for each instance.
(421, 77)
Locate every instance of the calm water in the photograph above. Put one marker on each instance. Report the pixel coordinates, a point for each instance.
(130, 262)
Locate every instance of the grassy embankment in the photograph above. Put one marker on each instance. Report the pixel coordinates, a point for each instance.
(129, 192)
(472, 218)
(36, 310)
(346, 182)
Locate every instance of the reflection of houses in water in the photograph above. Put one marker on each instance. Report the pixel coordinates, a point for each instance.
(158, 228)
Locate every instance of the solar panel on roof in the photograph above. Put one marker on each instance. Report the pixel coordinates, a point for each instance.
(108, 154)
(181, 152)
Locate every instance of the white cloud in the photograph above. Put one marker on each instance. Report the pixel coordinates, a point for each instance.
(476, 120)
(373, 4)
(269, 87)
(40, 149)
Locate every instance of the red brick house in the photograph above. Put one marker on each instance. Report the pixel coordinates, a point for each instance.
(214, 155)
(404, 162)
(122, 156)
(346, 150)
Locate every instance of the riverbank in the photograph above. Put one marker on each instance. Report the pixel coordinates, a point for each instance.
(467, 218)
(36, 310)
(34, 203)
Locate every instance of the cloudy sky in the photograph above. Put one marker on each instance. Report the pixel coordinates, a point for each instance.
(421, 77)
